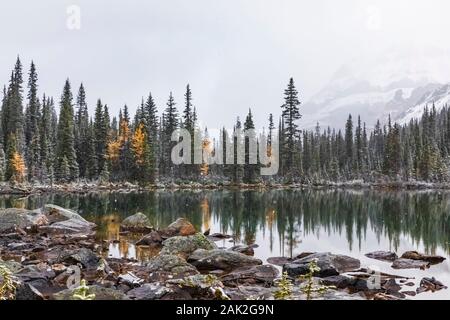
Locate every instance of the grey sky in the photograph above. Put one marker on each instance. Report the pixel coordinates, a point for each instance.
(234, 54)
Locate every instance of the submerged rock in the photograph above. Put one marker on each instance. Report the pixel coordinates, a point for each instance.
(245, 249)
(329, 264)
(279, 261)
(382, 255)
(180, 227)
(410, 264)
(185, 245)
(138, 222)
(414, 255)
(220, 259)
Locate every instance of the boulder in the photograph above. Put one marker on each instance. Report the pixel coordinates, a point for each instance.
(26, 291)
(148, 291)
(201, 286)
(279, 261)
(329, 264)
(180, 227)
(152, 239)
(57, 214)
(244, 249)
(220, 259)
(410, 264)
(101, 293)
(338, 281)
(414, 255)
(12, 219)
(430, 284)
(185, 245)
(265, 274)
(170, 263)
(84, 256)
(138, 222)
(65, 221)
(382, 255)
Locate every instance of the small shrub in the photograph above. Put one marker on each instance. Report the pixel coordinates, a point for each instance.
(82, 292)
(284, 291)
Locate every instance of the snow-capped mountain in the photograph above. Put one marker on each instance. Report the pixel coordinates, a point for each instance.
(439, 98)
(393, 83)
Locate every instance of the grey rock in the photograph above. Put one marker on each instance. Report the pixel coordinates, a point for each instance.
(170, 263)
(148, 291)
(329, 264)
(244, 249)
(414, 255)
(382, 255)
(220, 259)
(185, 245)
(84, 256)
(138, 222)
(26, 291)
(265, 274)
(12, 218)
(152, 239)
(410, 264)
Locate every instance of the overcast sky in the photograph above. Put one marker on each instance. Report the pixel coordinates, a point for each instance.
(234, 54)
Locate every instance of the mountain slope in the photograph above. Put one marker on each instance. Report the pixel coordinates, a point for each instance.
(390, 84)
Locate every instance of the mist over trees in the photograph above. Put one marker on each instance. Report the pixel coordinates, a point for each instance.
(37, 145)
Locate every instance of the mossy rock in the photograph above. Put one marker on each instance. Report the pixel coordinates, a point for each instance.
(185, 245)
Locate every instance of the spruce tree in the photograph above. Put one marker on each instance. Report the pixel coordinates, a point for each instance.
(291, 114)
(67, 166)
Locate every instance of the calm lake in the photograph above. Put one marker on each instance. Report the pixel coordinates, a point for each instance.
(282, 222)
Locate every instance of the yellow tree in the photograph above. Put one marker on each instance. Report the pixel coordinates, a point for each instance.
(138, 145)
(18, 166)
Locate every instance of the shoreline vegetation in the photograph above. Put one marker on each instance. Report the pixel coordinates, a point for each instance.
(92, 187)
(48, 142)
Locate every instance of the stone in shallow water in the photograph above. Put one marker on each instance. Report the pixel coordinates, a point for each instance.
(244, 249)
(382, 255)
(329, 264)
(410, 264)
(279, 261)
(414, 255)
(138, 222)
(180, 227)
(430, 284)
(152, 239)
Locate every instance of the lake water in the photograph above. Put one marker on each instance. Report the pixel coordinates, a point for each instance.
(282, 222)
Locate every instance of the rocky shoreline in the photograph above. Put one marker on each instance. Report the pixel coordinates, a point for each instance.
(46, 253)
(90, 187)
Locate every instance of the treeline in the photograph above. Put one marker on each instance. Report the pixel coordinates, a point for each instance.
(39, 146)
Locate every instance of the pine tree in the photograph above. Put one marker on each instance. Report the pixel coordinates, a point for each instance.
(81, 131)
(171, 123)
(250, 169)
(67, 166)
(290, 114)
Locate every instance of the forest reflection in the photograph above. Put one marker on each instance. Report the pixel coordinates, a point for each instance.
(280, 216)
